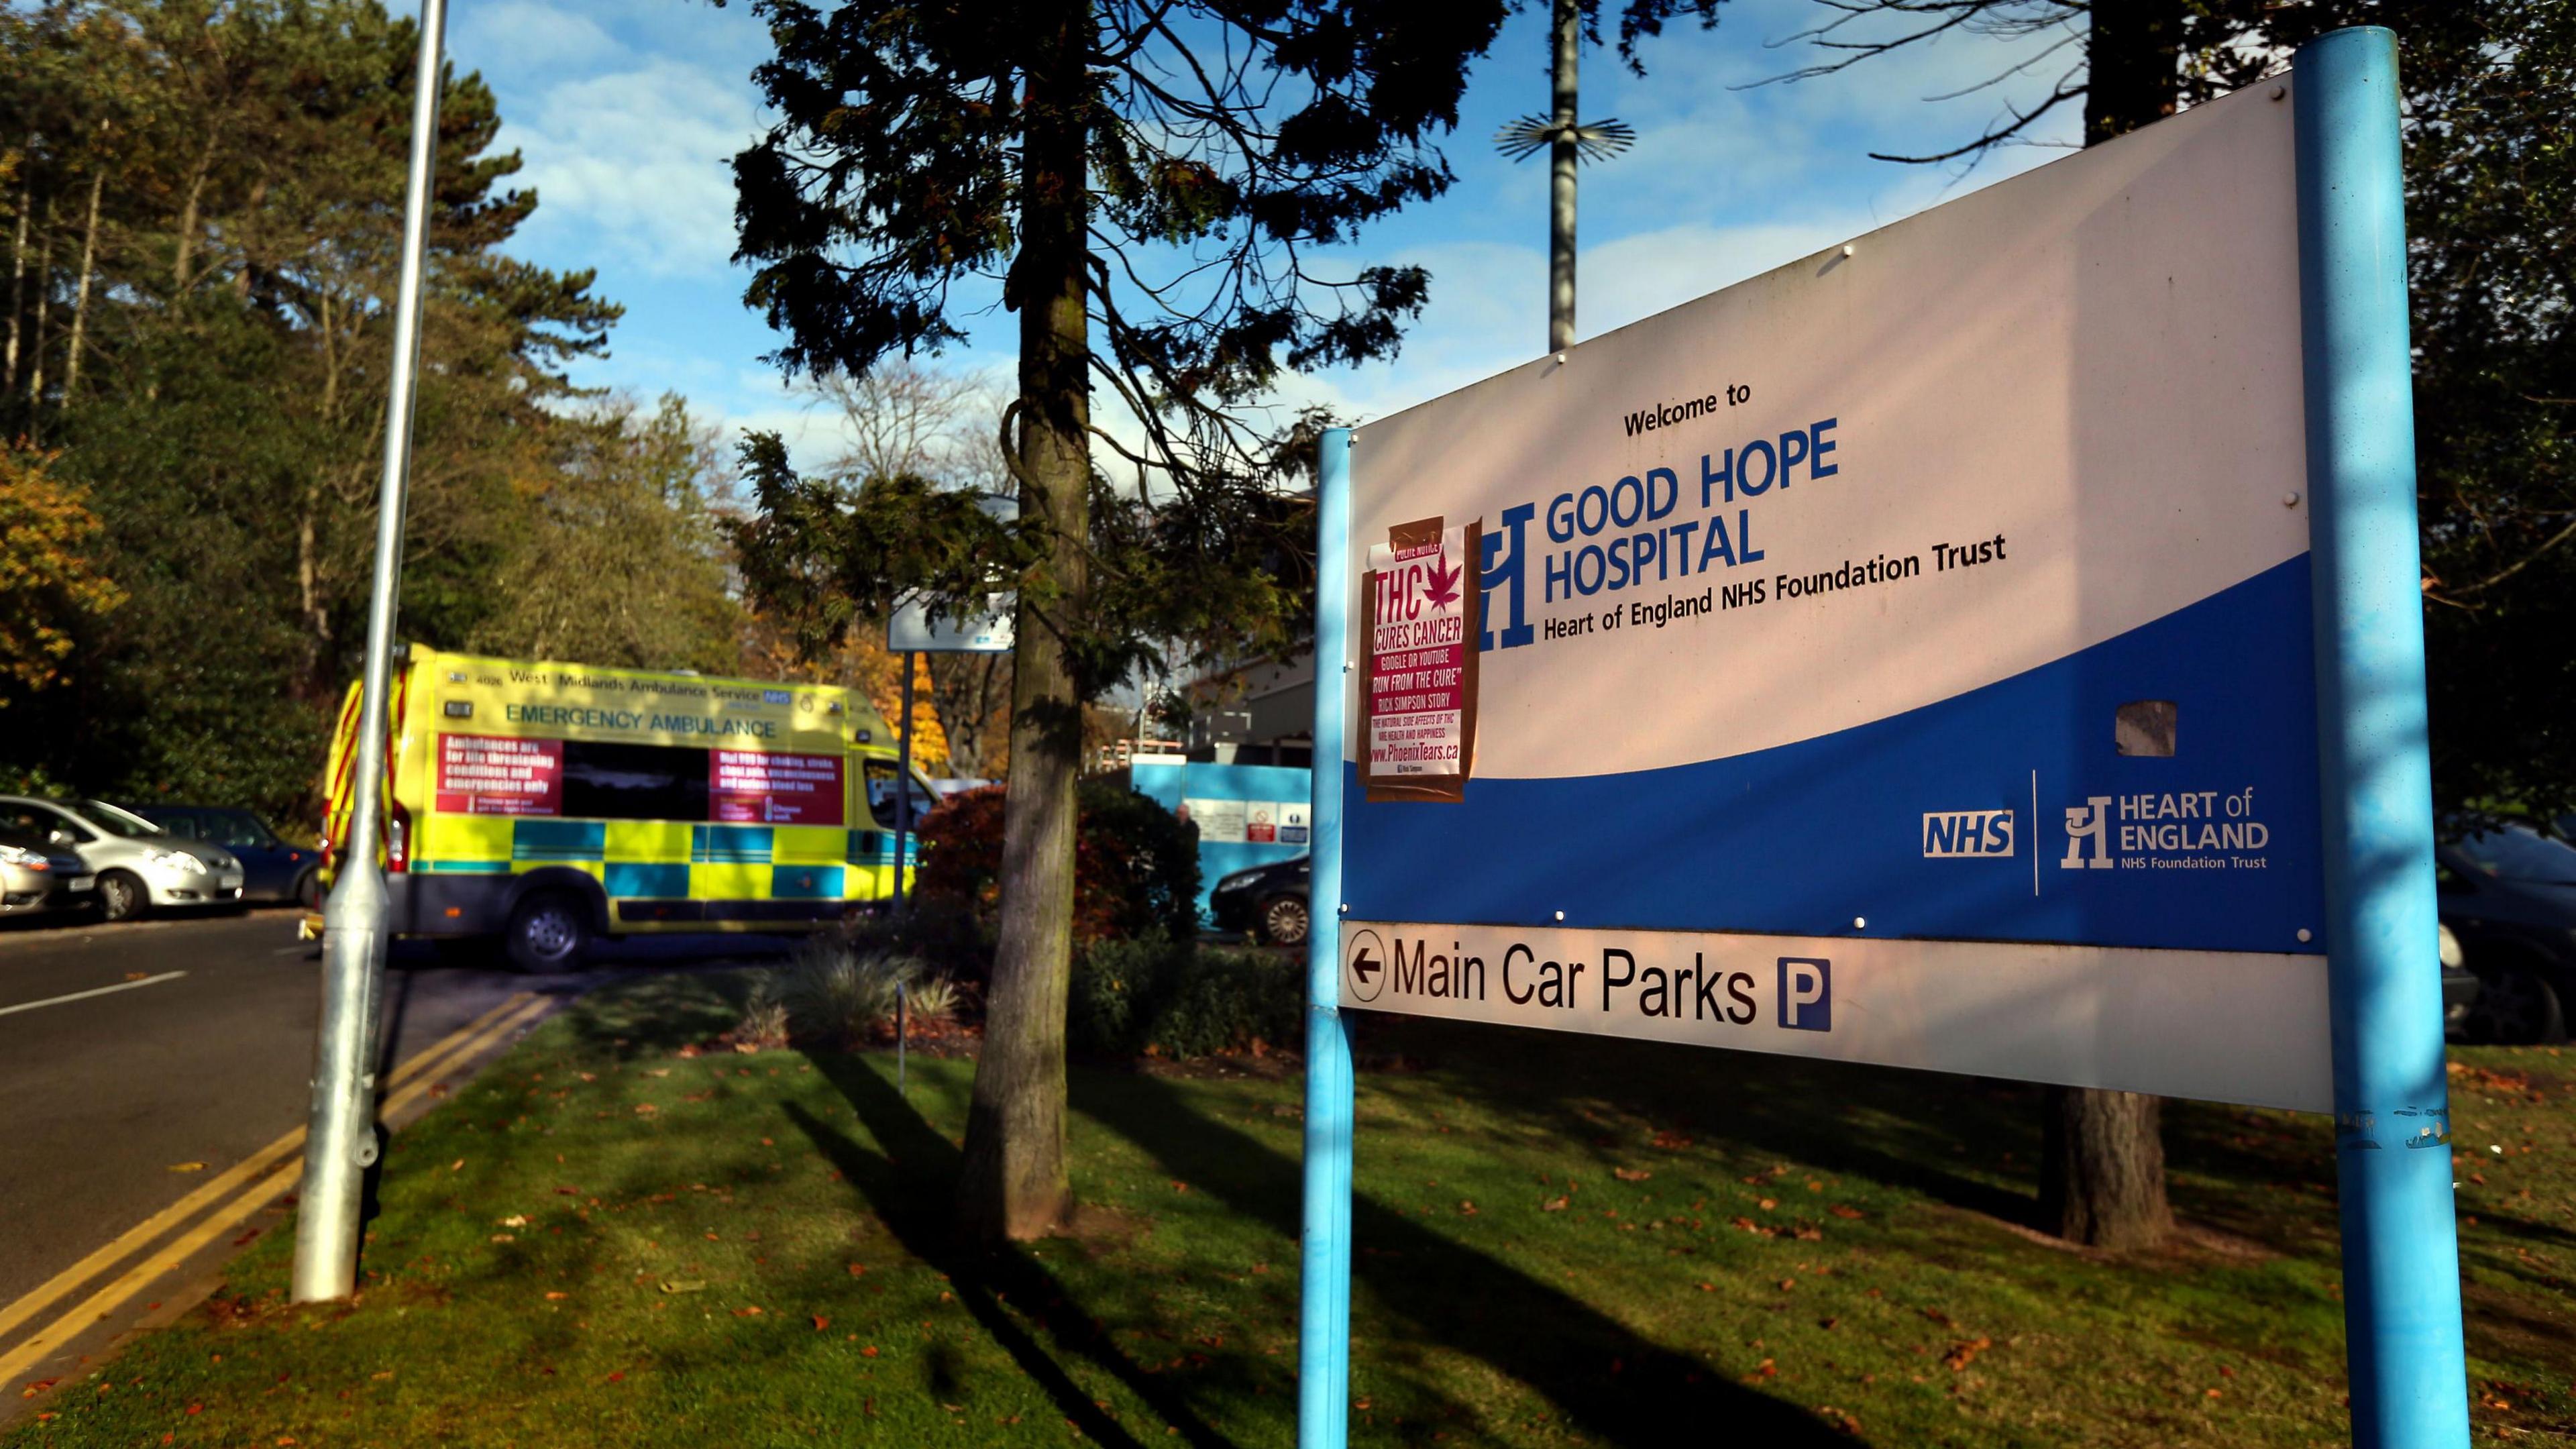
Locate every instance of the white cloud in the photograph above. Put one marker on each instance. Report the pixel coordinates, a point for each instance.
(639, 163)
(527, 34)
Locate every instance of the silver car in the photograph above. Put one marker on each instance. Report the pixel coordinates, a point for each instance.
(36, 876)
(139, 865)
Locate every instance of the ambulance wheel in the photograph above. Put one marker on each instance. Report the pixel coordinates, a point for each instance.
(550, 931)
(1283, 920)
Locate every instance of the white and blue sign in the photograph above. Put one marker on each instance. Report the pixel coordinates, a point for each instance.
(1952, 586)
(1993, 646)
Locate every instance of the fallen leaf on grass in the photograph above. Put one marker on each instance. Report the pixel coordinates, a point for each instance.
(1763, 1370)
(1466, 1208)
(1631, 1174)
(556, 1296)
(821, 1323)
(1840, 1420)
(617, 1378)
(868, 1352)
(505, 1237)
(187, 1167)
(137, 975)
(456, 1166)
(858, 1268)
(1553, 1205)
(38, 1386)
(751, 1311)
(645, 1109)
(1964, 1353)
(675, 1285)
(1843, 1210)
(515, 1220)
(1768, 1203)
(1671, 1141)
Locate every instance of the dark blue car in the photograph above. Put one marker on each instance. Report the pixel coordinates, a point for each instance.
(272, 869)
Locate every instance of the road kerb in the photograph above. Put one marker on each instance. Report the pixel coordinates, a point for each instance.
(419, 1077)
(432, 1059)
(32, 1351)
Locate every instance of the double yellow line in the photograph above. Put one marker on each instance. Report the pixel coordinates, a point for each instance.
(267, 1178)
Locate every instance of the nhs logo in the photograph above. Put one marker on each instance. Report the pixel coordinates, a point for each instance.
(1948, 834)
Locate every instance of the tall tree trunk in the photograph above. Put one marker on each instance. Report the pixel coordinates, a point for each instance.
(2103, 1179)
(44, 309)
(188, 215)
(18, 266)
(964, 692)
(1013, 1182)
(80, 294)
(2102, 1159)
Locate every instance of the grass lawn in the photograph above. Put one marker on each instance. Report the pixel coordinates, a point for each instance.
(1559, 1241)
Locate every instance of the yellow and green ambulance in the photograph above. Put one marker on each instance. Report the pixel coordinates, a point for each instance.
(550, 804)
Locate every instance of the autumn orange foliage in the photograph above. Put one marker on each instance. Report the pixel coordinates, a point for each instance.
(49, 576)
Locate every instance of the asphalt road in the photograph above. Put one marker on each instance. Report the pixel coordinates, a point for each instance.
(104, 1097)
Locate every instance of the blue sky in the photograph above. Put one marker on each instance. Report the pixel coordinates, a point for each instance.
(628, 112)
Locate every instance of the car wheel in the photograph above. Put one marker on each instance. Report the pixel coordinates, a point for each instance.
(121, 896)
(1283, 920)
(550, 931)
(2516, 1007)
(308, 890)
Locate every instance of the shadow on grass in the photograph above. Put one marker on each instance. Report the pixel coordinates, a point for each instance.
(1914, 1130)
(912, 1200)
(1604, 1377)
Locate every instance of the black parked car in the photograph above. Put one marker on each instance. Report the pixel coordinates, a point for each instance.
(272, 869)
(2510, 896)
(1268, 900)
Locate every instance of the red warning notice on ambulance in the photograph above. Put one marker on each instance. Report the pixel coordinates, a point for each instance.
(489, 775)
(773, 789)
(1418, 697)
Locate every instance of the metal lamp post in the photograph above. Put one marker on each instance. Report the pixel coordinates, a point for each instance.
(1568, 144)
(340, 1140)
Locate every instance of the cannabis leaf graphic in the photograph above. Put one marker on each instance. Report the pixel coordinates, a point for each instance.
(1443, 584)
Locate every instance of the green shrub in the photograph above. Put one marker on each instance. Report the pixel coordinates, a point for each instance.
(835, 994)
(1157, 996)
(941, 932)
(1136, 864)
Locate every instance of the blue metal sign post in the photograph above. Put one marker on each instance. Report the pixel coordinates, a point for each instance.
(2373, 816)
(2392, 1101)
(1324, 1301)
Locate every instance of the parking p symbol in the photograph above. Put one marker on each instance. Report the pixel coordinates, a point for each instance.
(1806, 993)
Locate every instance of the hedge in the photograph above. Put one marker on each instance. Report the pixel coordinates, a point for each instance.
(1155, 996)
